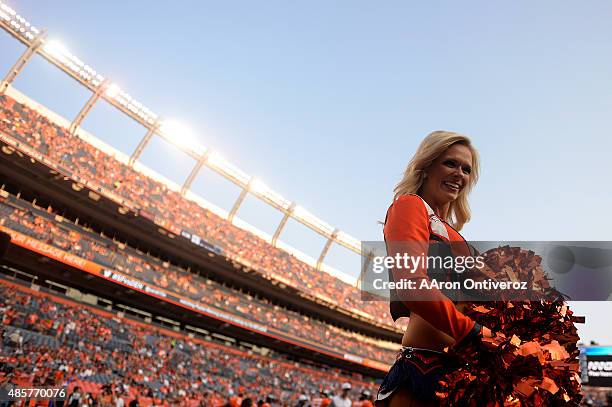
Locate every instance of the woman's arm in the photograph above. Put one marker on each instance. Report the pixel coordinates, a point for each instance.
(407, 231)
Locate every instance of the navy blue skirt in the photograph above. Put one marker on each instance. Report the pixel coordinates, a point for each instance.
(418, 370)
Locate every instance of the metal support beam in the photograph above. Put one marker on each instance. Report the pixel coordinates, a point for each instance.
(239, 201)
(282, 223)
(196, 169)
(88, 106)
(143, 143)
(22, 61)
(331, 240)
(366, 263)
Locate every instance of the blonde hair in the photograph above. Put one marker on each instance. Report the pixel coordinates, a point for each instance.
(431, 148)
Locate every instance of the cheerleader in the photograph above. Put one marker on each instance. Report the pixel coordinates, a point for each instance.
(430, 205)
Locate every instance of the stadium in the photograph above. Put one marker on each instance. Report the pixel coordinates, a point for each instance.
(129, 289)
(154, 293)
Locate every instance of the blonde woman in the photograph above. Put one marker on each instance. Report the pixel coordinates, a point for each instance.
(430, 205)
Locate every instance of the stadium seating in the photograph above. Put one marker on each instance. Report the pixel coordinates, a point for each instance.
(157, 201)
(22, 217)
(49, 340)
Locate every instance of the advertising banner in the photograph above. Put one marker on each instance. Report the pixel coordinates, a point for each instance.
(598, 365)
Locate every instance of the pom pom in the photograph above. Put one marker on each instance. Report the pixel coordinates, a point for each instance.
(532, 360)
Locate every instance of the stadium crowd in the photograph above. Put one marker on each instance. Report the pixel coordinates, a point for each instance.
(49, 340)
(157, 201)
(22, 217)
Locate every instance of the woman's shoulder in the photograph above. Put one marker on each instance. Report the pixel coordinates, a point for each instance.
(410, 202)
(407, 208)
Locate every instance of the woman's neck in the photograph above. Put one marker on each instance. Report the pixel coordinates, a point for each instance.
(441, 210)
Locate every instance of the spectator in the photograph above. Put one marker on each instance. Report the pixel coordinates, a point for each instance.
(74, 400)
(15, 339)
(323, 400)
(302, 401)
(366, 398)
(342, 400)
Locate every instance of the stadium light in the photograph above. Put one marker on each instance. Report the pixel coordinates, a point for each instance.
(59, 51)
(93, 196)
(220, 164)
(264, 192)
(304, 216)
(348, 241)
(112, 90)
(180, 135)
(17, 23)
(8, 150)
(134, 107)
(257, 186)
(217, 159)
(279, 200)
(6, 12)
(55, 48)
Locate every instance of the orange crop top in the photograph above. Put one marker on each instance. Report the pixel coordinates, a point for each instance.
(411, 220)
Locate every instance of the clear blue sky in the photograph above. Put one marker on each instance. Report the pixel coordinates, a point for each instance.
(326, 102)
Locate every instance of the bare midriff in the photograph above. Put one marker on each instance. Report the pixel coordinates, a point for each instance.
(421, 334)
